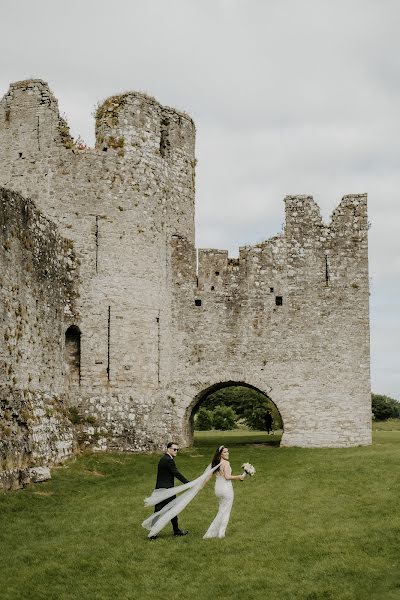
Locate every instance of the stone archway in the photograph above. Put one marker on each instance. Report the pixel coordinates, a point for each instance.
(207, 391)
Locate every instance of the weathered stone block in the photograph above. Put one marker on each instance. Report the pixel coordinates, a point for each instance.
(38, 474)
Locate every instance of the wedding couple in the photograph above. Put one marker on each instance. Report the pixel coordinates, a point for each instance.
(169, 501)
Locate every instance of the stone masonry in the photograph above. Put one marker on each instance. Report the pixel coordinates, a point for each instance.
(155, 325)
(37, 300)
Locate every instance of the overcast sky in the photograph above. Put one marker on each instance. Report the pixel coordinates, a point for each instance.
(288, 96)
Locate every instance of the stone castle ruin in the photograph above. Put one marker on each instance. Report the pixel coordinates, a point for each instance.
(114, 325)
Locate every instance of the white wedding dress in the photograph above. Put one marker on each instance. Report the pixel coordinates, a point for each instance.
(184, 494)
(225, 495)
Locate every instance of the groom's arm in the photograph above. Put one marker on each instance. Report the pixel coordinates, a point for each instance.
(176, 473)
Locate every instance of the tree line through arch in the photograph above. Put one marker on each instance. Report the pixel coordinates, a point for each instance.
(233, 406)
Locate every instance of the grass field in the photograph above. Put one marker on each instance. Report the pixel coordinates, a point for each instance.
(311, 525)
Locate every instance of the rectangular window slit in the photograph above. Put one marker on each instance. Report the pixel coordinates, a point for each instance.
(38, 132)
(97, 242)
(108, 342)
(326, 271)
(159, 348)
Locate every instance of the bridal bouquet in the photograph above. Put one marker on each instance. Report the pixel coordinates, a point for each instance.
(248, 469)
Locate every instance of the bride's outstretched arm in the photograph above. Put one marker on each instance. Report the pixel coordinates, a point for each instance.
(228, 476)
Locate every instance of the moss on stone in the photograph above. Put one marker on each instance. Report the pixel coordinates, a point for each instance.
(113, 142)
(108, 110)
(66, 138)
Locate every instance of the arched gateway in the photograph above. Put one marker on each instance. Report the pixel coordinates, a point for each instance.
(197, 401)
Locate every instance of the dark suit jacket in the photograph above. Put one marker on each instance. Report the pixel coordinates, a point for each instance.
(167, 471)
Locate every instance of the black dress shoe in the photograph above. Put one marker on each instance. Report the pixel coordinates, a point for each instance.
(152, 538)
(181, 532)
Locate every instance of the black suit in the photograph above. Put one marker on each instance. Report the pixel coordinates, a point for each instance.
(166, 473)
(268, 420)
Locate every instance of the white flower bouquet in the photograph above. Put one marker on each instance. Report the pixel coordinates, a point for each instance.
(248, 469)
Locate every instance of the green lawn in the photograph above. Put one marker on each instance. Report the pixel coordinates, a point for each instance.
(312, 525)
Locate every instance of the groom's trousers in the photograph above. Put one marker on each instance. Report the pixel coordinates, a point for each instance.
(174, 520)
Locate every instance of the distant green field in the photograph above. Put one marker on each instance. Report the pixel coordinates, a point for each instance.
(311, 525)
(389, 425)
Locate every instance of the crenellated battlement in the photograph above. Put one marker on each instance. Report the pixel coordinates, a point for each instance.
(37, 90)
(30, 121)
(351, 212)
(306, 244)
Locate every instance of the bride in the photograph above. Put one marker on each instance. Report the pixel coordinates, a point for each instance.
(223, 491)
(185, 493)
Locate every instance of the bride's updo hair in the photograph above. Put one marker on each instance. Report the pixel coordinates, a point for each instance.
(217, 457)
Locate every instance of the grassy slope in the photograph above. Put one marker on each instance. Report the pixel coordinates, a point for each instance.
(312, 525)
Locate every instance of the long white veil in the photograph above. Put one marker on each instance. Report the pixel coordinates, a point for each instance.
(185, 494)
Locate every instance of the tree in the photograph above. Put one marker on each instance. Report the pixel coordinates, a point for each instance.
(384, 407)
(249, 404)
(203, 420)
(255, 419)
(224, 418)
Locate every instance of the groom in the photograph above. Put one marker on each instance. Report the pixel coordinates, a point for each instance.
(166, 473)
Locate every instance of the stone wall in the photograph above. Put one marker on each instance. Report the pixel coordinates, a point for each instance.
(35, 433)
(37, 298)
(277, 318)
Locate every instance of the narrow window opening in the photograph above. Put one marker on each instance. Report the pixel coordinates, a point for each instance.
(212, 288)
(165, 144)
(38, 132)
(20, 154)
(197, 302)
(197, 282)
(159, 348)
(73, 356)
(108, 342)
(97, 242)
(105, 149)
(326, 271)
(278, 300)
(271, 290)
(217, 273)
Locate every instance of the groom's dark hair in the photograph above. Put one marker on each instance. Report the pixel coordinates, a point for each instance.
(171, 444)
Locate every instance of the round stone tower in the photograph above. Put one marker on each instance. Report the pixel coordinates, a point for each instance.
(159, 144)
(121, 203)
